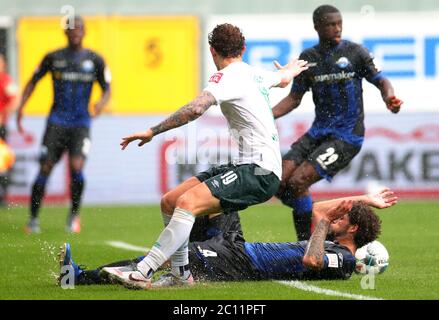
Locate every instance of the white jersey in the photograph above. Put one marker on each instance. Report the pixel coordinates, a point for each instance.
(242, 93)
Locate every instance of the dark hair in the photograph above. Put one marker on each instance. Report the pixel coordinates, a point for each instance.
(227, 40)
(369, 224)
(319, 13)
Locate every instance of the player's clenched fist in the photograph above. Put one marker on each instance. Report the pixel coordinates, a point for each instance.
(393, 104)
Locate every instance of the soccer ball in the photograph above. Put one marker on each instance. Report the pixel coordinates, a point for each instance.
(371, 258)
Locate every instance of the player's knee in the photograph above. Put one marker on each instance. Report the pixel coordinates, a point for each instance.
(186, 202)
(297, 184)
(167, 204)
(77, 164)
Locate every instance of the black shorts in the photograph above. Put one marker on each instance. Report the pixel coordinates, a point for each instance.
(222, 258)
(58, 139)
(328, 155)
(240, 186)
(206, 227)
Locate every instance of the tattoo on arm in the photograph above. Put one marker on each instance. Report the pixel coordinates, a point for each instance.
(187, 113)
(316, 247)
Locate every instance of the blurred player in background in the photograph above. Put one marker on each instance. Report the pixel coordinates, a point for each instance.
(74, 70)
(9, 99)
(242, 92)
(349, 223)
(336, 70)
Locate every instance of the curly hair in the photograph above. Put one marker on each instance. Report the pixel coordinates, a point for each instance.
(227, 40)
(369, 224)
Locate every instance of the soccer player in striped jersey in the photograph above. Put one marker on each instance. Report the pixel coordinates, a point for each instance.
(343, 225)
(74, 69)
(335, 73)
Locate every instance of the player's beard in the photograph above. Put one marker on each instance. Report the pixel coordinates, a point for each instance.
(331, 235)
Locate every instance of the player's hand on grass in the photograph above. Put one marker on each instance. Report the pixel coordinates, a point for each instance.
(144, 137)
(393, 104)
(336, 212)
(382, 199)
(294, 66)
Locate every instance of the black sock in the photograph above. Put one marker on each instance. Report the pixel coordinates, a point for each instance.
(38, 190)
(88, 277)
(302, 223)
(76, 188)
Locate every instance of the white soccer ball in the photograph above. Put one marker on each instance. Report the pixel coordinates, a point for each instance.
(372, 258)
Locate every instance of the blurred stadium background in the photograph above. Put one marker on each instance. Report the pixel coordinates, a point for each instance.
(157, 52)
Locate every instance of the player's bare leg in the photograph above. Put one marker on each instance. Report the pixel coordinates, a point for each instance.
(169, 199)
(288, 168)
(294, 192)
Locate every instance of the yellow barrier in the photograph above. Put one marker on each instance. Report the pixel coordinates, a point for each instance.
(154, 61)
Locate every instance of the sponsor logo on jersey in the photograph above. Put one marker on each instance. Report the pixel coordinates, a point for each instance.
(215, 184)
(334, 76)
(216, 77)
(73, 76)
(343, 62)
(88, 65)
(59, 63)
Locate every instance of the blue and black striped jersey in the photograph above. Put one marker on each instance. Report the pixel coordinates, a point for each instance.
(336, 84)
(73, 74)
(284, 261)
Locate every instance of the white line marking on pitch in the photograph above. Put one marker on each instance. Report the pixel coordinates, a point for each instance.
(126, 246)
(307, 287)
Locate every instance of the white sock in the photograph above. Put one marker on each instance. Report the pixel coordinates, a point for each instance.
(166, 219)
(180, 258)
(172, 238)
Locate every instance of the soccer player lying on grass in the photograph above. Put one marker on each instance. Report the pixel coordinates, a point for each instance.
(349, 222)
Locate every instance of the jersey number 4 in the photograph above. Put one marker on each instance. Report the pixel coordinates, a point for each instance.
(207, 253)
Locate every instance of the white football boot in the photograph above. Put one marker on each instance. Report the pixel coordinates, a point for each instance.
(170, 280)
(116, 274)
(129, 278)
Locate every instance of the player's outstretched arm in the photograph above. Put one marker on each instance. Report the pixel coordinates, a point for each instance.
(387, 92)
(384, 198)
(185, 114)
(287, 104)
(292, 69)
(315, 251)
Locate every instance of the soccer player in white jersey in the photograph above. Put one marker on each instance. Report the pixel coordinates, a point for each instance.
(242, 93)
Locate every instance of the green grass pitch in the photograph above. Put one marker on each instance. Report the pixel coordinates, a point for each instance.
(28, 263)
